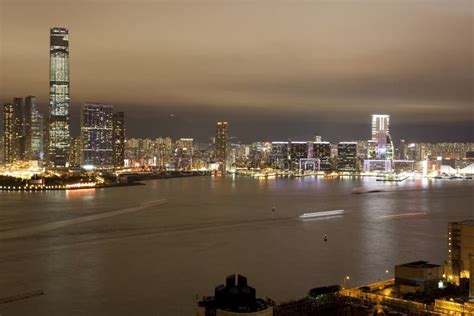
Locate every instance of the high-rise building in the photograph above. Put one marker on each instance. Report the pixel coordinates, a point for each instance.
(460, 247)
(20, 104)
(402, 150)
(184, 153)
(298, 150)
(381, 136)
(97, 135)
(75, 152)
(119, 139)
(380, 123)
(347, 156)
(279, 157)
(222, 136)
(2, 152)
(322, 151)
(59, 99)
(12, 132)
(33, 130)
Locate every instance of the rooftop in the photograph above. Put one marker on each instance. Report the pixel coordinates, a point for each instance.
(419, 265)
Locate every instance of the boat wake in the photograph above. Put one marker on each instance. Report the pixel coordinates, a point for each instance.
(33, 230)
(402, 215)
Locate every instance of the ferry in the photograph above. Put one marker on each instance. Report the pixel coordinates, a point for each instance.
(391, 177)
(321, 214)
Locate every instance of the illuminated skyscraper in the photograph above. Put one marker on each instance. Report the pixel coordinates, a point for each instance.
(97, 135)
(12, 132)
(380, 123)
(381, 136)
(59, 137)
(119, 139)
(222, 136)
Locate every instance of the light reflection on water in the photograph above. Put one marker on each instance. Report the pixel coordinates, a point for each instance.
(159, 258)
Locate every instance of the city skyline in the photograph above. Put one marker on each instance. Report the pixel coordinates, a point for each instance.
(230, 157)
(429, 105)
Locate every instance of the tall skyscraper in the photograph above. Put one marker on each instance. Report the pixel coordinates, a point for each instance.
(380, 123)
(97, 135)
(222, 136)
(119, 139)
(59, 100)
(12, 132)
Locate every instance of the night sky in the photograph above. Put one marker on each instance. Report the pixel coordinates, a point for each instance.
(273, 69)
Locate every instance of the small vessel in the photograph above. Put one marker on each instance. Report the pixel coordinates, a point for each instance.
(325, 238)
(273, 209)
(393, 177)
(362, 190)
(321, 214)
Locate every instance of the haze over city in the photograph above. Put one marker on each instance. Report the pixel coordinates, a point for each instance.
(275, 70)
(217, 158)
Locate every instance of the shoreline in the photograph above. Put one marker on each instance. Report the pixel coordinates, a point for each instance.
(134, 180)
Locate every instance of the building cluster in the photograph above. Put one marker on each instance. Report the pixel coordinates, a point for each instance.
(377, 154)
(29, 139)
(32, 140)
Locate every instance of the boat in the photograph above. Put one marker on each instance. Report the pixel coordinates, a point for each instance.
(321, 214)
(362, 190)
(391, 177)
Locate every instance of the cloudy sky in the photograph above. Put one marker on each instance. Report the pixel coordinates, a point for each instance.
(273, 69)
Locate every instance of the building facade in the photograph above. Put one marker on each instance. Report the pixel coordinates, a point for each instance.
(59, 97)
(322, 151)
(12, 132)
(75, 152)
(33, 130)
(418, 276)
(119, 139)
(222, 136)
(460, 248)
(347, 156)
(97, 135)
(380, 124)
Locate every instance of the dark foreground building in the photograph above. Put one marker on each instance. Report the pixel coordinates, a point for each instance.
(234, 299)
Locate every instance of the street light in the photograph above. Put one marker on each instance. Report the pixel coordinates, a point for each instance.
(344, 282)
